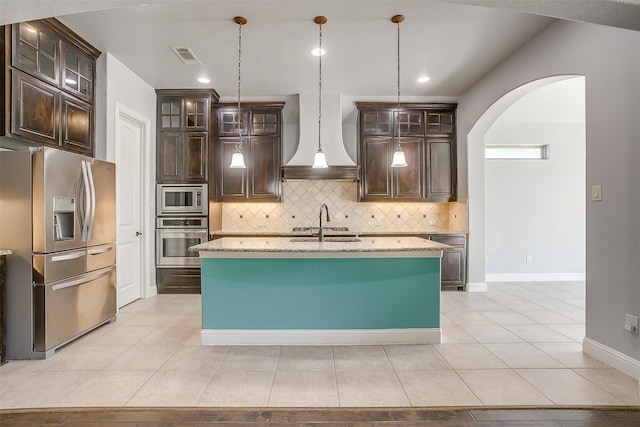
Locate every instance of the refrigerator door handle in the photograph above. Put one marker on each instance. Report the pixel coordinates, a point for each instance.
(87, 202)
(80, 281)
(92, 188)
(67, 257)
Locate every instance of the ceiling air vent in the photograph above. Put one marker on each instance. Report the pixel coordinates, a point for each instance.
(186, 55)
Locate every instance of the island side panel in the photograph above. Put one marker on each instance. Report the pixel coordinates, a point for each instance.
(320, 293)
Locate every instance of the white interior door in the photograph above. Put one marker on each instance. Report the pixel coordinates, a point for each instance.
(130, 170)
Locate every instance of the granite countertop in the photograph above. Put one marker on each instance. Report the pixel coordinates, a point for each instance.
(288, 232)
(5, 252)
(285, 244)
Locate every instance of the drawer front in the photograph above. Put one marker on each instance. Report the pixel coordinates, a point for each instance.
(101, 256)
(448, 240)
(52, 267)
(65, 309)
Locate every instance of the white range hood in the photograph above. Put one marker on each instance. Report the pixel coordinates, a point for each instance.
(341, 166)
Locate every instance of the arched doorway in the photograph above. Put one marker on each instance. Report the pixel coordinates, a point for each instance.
(476, 174)
(535, 175)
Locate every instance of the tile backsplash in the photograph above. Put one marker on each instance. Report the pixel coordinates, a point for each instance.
(301, 202)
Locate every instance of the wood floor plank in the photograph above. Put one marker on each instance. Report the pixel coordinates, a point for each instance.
(320, 417)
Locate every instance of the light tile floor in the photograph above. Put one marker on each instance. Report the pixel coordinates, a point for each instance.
(517, 344)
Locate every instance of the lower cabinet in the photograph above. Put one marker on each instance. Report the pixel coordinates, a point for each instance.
(453, 272)
(454, 261)
(178, 280)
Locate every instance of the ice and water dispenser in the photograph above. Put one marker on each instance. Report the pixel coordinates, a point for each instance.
(64, 214)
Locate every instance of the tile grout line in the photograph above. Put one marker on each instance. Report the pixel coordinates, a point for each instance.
(393, 368)
(335, 375)
(273, 379)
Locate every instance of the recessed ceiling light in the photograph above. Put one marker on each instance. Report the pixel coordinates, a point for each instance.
(318, 52)
(423, 79)
(145, 4)
(203, 80)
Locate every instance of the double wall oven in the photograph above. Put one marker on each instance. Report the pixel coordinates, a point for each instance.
(181, 222)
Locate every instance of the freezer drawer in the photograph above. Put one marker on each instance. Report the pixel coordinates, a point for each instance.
(102, 256)
(60, 265)
(67, 308)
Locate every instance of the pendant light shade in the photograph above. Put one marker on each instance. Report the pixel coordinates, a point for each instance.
(237, 159)
(399, 160)
(320, 160)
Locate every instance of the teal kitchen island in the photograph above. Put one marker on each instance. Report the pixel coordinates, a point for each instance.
(299, 291)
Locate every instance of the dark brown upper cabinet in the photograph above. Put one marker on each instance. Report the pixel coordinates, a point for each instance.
(77, 72)
(183, 112)
(183, 157)
(77, 125)
(35, 109)
(183, 137)
(261, 128)
(50, 85)
(380, 181)
(426, 134)
(228, 122)
(36, 50)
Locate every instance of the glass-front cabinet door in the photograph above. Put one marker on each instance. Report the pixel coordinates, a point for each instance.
(77, 72)
(170, 114)
(36, 51)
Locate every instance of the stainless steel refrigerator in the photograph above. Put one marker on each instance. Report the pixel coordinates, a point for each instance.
(58, 216)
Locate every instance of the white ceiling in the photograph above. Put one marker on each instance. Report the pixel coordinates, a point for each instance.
(453, 43)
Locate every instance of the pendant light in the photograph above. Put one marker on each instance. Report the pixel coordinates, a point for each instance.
(399, 160)
(237, 159)
(319, 160)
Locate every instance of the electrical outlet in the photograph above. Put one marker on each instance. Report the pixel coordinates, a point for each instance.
(631, 324)
(529, 259)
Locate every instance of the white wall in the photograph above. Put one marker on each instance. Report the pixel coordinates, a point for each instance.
(127, 89)
(529, 203)
(609, 58)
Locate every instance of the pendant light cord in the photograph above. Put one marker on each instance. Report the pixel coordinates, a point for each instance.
(320, 89)
(398, 24)
(239, 145)
(398, 105)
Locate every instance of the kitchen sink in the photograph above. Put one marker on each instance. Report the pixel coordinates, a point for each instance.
(341, 239)
(315, 229)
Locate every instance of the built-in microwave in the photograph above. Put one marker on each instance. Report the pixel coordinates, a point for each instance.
(180, 199)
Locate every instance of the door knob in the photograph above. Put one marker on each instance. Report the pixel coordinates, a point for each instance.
(138, 233)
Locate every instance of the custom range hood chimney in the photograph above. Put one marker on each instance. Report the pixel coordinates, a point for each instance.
(341, 166)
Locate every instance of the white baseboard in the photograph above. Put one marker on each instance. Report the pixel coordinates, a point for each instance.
(536, 277)
(477, 287)
(321, 336)
(613, 358)
(152, 291)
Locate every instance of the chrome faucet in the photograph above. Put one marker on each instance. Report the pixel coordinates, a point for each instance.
(321, 230)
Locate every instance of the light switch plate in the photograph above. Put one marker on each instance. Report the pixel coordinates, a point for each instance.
(596, 193)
